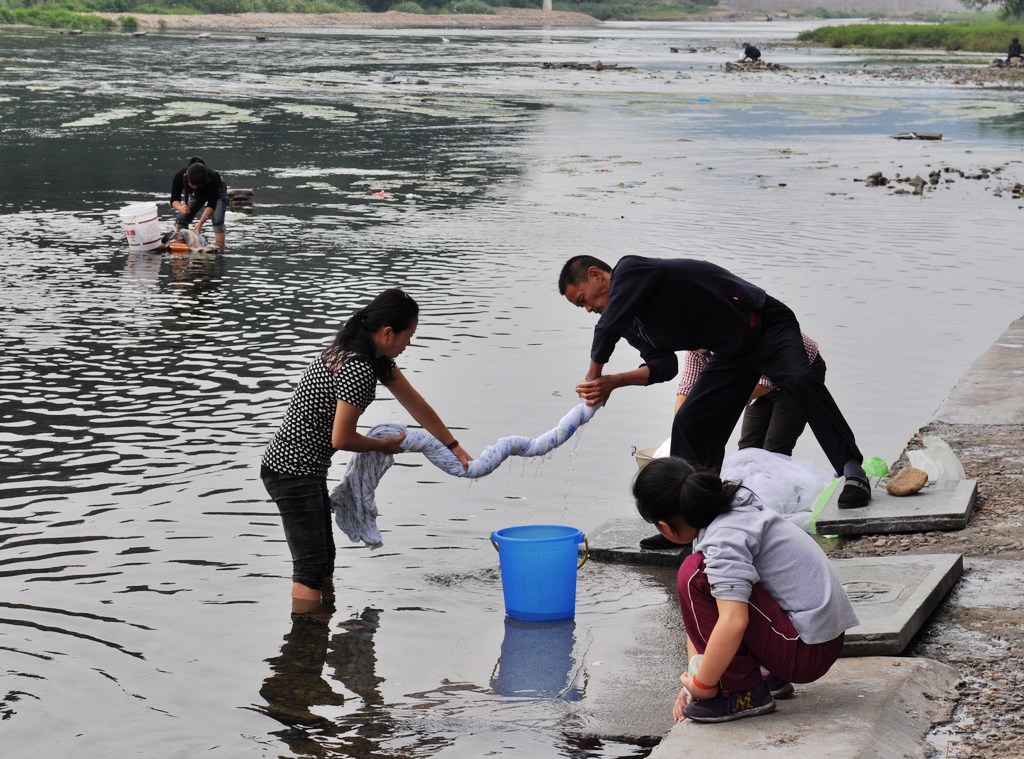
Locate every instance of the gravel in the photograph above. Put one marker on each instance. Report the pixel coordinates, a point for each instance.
(979, 629)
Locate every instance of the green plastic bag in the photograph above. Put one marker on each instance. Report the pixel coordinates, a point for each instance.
(875, 466)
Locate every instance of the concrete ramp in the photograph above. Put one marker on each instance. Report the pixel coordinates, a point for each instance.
(869, 708)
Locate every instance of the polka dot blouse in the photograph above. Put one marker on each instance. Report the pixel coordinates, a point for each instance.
(302, 445)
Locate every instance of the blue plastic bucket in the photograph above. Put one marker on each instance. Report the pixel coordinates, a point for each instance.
(538, 570)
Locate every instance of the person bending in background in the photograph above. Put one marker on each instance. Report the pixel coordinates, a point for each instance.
(332, 394)
(196, 187)
(772, 420)
(661, 306)
(757, 592)
(750, 53)
(1014, 50)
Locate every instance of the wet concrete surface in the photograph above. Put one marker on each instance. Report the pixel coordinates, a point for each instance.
(863, 708)
(956, 691)
(978, 629)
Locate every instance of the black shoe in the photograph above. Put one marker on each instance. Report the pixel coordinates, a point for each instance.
(658, 543)
(737, 705)
(856, 493)
(778, 687)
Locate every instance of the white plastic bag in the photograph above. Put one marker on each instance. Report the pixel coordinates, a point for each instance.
(937, 460)
(783, 484)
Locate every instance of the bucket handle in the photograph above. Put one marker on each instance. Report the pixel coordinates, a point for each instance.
(586, 551)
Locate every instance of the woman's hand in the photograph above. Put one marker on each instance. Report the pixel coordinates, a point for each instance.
(463, 457)
(681, 701)
(393, 444)
(694, 691)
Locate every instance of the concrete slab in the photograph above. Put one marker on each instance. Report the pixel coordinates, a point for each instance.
(868, 708)
(990, 391)
(894, 596)
(618, 541)
(941, 505)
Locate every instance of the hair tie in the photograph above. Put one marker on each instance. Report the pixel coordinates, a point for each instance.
(682, 488)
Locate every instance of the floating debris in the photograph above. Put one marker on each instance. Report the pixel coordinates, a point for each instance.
(592, 66)
(918, 136)
(918, 186)
(389, 79)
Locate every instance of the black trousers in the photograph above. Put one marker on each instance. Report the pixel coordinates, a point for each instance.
(702, 425)
(776, 421)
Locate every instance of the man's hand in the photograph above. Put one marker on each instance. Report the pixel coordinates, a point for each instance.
(595, 391)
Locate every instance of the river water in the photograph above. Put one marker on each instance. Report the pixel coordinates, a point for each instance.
(143, 574)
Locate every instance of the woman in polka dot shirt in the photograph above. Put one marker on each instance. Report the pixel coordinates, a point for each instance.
(332, 394)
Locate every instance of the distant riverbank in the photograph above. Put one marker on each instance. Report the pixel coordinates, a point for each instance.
(508, 18)
(527, 18)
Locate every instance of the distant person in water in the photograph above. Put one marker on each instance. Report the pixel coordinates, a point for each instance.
(750, 53)
(196, 187)
(1014, 51)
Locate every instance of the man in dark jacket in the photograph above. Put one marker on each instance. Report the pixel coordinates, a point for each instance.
(661, 306)
(196, 187)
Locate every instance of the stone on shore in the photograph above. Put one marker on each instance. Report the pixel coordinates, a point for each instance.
(907, 481)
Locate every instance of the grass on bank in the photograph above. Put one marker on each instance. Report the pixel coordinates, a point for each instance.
(75, 13)
(981, 36)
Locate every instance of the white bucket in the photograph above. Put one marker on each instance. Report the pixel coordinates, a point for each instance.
(140, 226)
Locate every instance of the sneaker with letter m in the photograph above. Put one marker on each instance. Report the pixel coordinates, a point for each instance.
(737, 705)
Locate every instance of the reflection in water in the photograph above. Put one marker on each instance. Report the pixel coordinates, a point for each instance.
(298, 685)
(196, 272)
(142, 266)
(538, 661)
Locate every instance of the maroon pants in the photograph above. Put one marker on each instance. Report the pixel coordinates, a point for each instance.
(770, 640)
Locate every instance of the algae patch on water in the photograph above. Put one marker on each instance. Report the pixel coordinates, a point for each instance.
(197, 113)
(104, 117)
(327, 113)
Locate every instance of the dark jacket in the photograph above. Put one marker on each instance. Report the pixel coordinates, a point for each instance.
(666, 305)
(208, 193)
